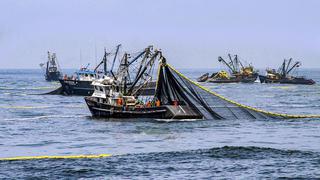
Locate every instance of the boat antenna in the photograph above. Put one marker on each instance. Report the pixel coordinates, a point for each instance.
(104, 61)
(80, 58)
(95, 53)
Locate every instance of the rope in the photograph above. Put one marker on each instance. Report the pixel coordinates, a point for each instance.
(241, 105)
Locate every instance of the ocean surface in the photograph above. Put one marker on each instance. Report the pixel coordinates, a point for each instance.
(33, 125)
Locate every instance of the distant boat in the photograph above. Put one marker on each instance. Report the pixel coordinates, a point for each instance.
(203, 78)
(282, 75)
(81, 82)
(52, 70)
(237, 73)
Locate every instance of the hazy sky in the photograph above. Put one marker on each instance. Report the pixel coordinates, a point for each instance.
(191, 33)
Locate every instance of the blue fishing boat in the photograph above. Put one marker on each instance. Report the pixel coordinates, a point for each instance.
(79, 83)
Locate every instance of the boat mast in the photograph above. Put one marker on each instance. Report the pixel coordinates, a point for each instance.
(283, 69)
(125, 77)
(114, 59)
(47, 68)
(236, 57)
(105, 62)
(233, 63)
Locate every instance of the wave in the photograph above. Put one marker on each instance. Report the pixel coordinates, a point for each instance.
(238, 152)
(45, 117)
(41, 107)
(215, 163)
(33, 88)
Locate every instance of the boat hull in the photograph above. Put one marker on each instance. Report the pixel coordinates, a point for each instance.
(101, 109)
(203, 78)
(239, 79)
(76, 87)
(297, 80)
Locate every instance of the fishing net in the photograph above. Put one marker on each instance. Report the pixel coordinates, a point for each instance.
(173, 87)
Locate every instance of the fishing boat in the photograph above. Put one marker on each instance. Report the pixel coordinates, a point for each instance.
(237, 72)
(51, 67)
(81, 82)
(203, 78)
(282, 75)
(112, 99)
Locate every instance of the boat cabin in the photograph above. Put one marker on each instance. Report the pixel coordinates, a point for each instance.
(85, 75)
(106, 91)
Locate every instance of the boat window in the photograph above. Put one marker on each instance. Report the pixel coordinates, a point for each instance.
(101, 89)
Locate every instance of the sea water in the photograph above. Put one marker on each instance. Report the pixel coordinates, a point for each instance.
(33, 125)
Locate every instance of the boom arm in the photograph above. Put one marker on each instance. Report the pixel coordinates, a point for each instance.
(220, 59)
(149, 63)
(294, 66)
(139, 55)
(288, 65)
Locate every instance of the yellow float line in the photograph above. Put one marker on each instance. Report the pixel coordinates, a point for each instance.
(18, 158)
(241, 105)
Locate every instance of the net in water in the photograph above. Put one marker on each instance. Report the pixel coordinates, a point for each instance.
(173, 87)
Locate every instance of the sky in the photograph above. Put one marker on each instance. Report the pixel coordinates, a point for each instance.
(191, 34)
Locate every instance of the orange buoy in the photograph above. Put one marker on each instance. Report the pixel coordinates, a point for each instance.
(158, 103)
(120, 102)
